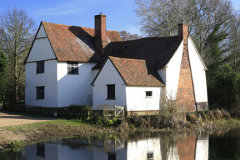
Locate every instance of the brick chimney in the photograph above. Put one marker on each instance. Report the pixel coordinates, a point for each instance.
(183, 32)
(185, 92)
(101, 38)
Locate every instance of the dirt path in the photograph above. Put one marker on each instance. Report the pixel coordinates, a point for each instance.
(14, 119)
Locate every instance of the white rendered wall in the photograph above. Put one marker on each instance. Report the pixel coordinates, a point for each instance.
(41, 32)
(202, 149)
(137, 100)
(139, 149)
(170, 74)
(162, 73)
(47, 79)
(108, 75)
(94, 73)
(74, 89)
(198, 74)
(41, 49)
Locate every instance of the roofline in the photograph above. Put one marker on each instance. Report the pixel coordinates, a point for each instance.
(41, 23)
(117, 70)
(198, 53)
(144, 86)
(172, 55)
(77, 26)
(49, 41)
(102, 68)
(32, 44)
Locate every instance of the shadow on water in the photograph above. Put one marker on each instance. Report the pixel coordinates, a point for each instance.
(140, 145)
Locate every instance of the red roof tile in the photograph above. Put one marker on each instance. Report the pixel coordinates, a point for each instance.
(72, 43)
(136, 72)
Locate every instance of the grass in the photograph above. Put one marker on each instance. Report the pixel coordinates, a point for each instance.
(11, 128)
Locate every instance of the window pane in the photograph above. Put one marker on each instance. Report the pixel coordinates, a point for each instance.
(40, 92)
(72, 67)
(149, 93)
(111, 91)
(40, 67)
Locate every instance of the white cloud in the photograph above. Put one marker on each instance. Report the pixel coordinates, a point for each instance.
(61, 9)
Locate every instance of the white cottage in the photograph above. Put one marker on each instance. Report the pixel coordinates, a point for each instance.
(69, 65)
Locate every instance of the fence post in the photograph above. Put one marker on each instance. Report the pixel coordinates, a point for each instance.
(115, 112)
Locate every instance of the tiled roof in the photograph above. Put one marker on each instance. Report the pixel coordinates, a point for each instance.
(137, 72)
(72, 43)
(156, 51)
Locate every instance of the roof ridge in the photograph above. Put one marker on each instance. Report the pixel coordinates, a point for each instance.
(75, 26)
(145, 38)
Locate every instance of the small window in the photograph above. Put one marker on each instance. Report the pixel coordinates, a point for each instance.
(148, 93)
(41, 149)
(40, 92)
(150, 155)
(72, 67)
(111, 156)
(40, 67)
(111, 91)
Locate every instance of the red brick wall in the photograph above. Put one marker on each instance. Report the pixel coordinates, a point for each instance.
(186, 148)
(185, 93)
(101, 38)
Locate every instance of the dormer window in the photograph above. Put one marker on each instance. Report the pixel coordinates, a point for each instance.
(72, 67)
(40, 67)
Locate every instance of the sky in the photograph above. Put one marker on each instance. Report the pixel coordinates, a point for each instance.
(120, 13)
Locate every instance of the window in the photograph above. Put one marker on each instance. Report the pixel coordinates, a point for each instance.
(41, 149)
(40, 92)
(148, 93)
(40, 67)
(112, 156)
(72, 67)
(111, 91)
(149, 155)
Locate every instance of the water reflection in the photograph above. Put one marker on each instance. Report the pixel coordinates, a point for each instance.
(150, 147)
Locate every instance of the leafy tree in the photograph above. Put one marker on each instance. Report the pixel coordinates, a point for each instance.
(3, 65)
(224, 88)
(16, 33)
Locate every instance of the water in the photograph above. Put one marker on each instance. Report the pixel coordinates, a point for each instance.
(216, 145)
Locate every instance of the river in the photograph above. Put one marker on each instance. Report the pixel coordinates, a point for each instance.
(208, 145)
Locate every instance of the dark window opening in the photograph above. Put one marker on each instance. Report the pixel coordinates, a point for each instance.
(150, 155)
(148, 93)
(112, 156)
(111, 91)
(40, 67)
(41, 149)
(72, 67)
(40, 92)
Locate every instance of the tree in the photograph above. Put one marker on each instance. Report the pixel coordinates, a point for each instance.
(234, 41)
(16, 33)
(3, 65)
(161, 17)
(126, 36)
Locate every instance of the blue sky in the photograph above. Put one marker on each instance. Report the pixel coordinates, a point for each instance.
(120, 14)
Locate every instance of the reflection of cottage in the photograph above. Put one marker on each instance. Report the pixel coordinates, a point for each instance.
(76, 65)
(160, 148)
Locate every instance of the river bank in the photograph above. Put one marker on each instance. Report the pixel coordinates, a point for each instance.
(13, 136)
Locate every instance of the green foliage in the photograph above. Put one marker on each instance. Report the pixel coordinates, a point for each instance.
(99, 121)
(3, 65)
(224, 88)
(105, 122)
